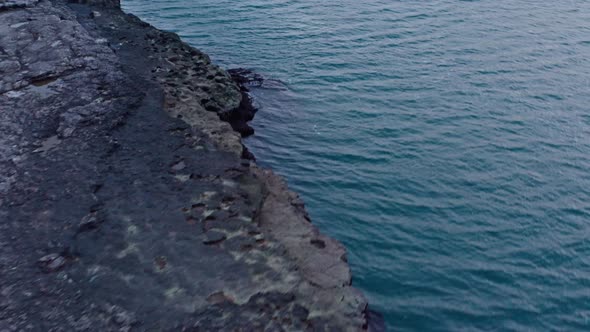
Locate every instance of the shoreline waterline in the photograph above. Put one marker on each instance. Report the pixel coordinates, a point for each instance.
(444, 143)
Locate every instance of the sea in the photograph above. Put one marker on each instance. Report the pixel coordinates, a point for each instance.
(445, 143)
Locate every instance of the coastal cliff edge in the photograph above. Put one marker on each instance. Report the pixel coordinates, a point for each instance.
(127, 199)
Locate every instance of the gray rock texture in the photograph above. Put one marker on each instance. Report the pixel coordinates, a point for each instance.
(9, 4)
(125, 203)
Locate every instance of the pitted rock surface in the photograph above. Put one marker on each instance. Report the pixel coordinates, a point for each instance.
(124, 201)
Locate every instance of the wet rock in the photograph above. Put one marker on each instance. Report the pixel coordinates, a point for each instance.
(375, 322)
(247, 155)
(246, 77)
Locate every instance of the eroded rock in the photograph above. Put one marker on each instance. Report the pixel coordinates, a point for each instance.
(114, 146)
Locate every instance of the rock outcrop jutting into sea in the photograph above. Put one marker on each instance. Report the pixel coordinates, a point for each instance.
(126, 203)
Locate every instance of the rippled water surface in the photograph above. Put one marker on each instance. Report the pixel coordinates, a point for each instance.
(446, 143)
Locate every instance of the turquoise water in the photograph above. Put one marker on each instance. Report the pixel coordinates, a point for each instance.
(446, 143)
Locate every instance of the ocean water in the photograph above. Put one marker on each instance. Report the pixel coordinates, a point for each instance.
(446, 143)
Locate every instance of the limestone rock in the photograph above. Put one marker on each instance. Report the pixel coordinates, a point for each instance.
(121, 156)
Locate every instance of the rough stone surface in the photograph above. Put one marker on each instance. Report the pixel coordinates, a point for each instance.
(9, 4)
(102, 3)
(125, 203)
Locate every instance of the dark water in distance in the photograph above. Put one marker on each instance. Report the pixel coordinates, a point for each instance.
(446, 143)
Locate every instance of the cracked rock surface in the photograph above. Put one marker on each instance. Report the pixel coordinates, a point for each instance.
(125, 203)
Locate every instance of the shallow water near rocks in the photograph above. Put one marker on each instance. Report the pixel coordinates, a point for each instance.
(445, 143)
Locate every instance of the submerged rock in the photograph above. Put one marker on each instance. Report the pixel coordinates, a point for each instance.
(246, 77)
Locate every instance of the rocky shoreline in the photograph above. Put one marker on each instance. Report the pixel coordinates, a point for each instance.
(127, 199)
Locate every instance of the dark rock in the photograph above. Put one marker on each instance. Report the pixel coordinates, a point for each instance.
(103, 3)
(214, 237)
(318, 243)
(375, 321)
(300, 312)
(246, 154)
(246, 77)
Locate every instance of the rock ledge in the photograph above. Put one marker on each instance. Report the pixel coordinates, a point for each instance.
(127, 200)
